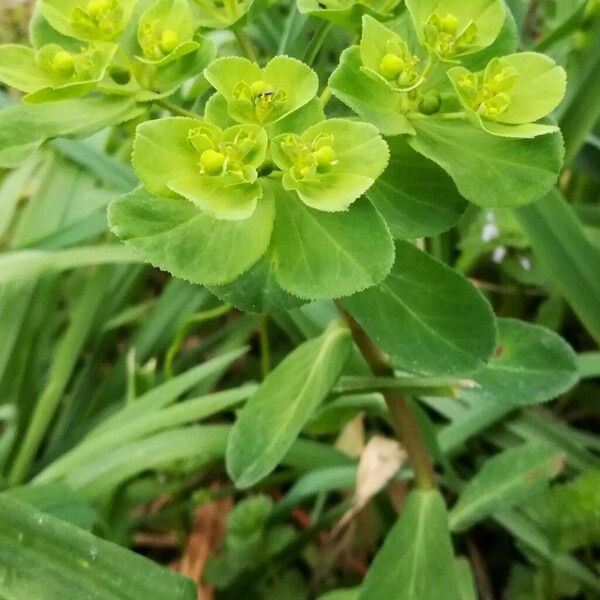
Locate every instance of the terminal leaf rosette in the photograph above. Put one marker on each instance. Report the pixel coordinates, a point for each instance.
(91, 20)
(53, 72)
(166, 32)
(451, 29)
(511, 94)
(262, 96)
(214, 169)
(398, 63)
(331, 164)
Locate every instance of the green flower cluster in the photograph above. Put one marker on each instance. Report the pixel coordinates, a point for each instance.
(261, 165)
(427, 63)
(254, 192)
(260, 123)
(138, 48)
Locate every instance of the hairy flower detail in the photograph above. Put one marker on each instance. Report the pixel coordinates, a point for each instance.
(65, 66)
(262, 96)
(156, 41)
(219, 155)
(488, 93)
(447, 37)
(388, 58)
(310, 158)
(511, 94)
(104, 16)
(332, 163)
(265, 99)
(399, 64)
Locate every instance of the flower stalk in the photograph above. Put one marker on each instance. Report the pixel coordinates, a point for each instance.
(406, 426)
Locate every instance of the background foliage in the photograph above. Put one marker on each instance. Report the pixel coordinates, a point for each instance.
(129, 402)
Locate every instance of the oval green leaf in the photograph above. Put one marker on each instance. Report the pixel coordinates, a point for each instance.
(414, 195)
(328, 255)
(505, 481)
(416, 561)
(426, 317)
(272, 419)
(44, 557)
(489, 170)
(176, 236)
(531, 365)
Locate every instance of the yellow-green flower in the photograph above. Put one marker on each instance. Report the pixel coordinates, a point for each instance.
(511, 94)
(450, 29)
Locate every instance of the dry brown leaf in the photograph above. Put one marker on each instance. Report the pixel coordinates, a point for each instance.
(205, 540)
(351, 439)
(379, 462)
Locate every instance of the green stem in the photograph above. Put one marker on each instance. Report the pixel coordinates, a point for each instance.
(174, 109)
(183, 330)
(246, 44)
(316, 42)
(326, 96)
(405, 423)
(65, 358)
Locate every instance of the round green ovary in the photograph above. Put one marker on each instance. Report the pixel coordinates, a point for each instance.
(219, 156)
(430, 103)
(258, 88)
(157, 42)
(212, 162)
(63, 64)
(443, 34)
(266, 99)
(310, 159)
(169, 40)
(399, 65)
(325, 157)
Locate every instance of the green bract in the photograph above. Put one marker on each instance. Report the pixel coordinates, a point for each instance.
(166, 31)
(214, 169)
(308, 253)
(389, 58)
(511, 94)
(216, 14)
(332, 163)
(52, 72)
(88, 19)
(262, 96)
(177, 236)
(348, 13)
(451, 29)
(161, 48)
(369, 97)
